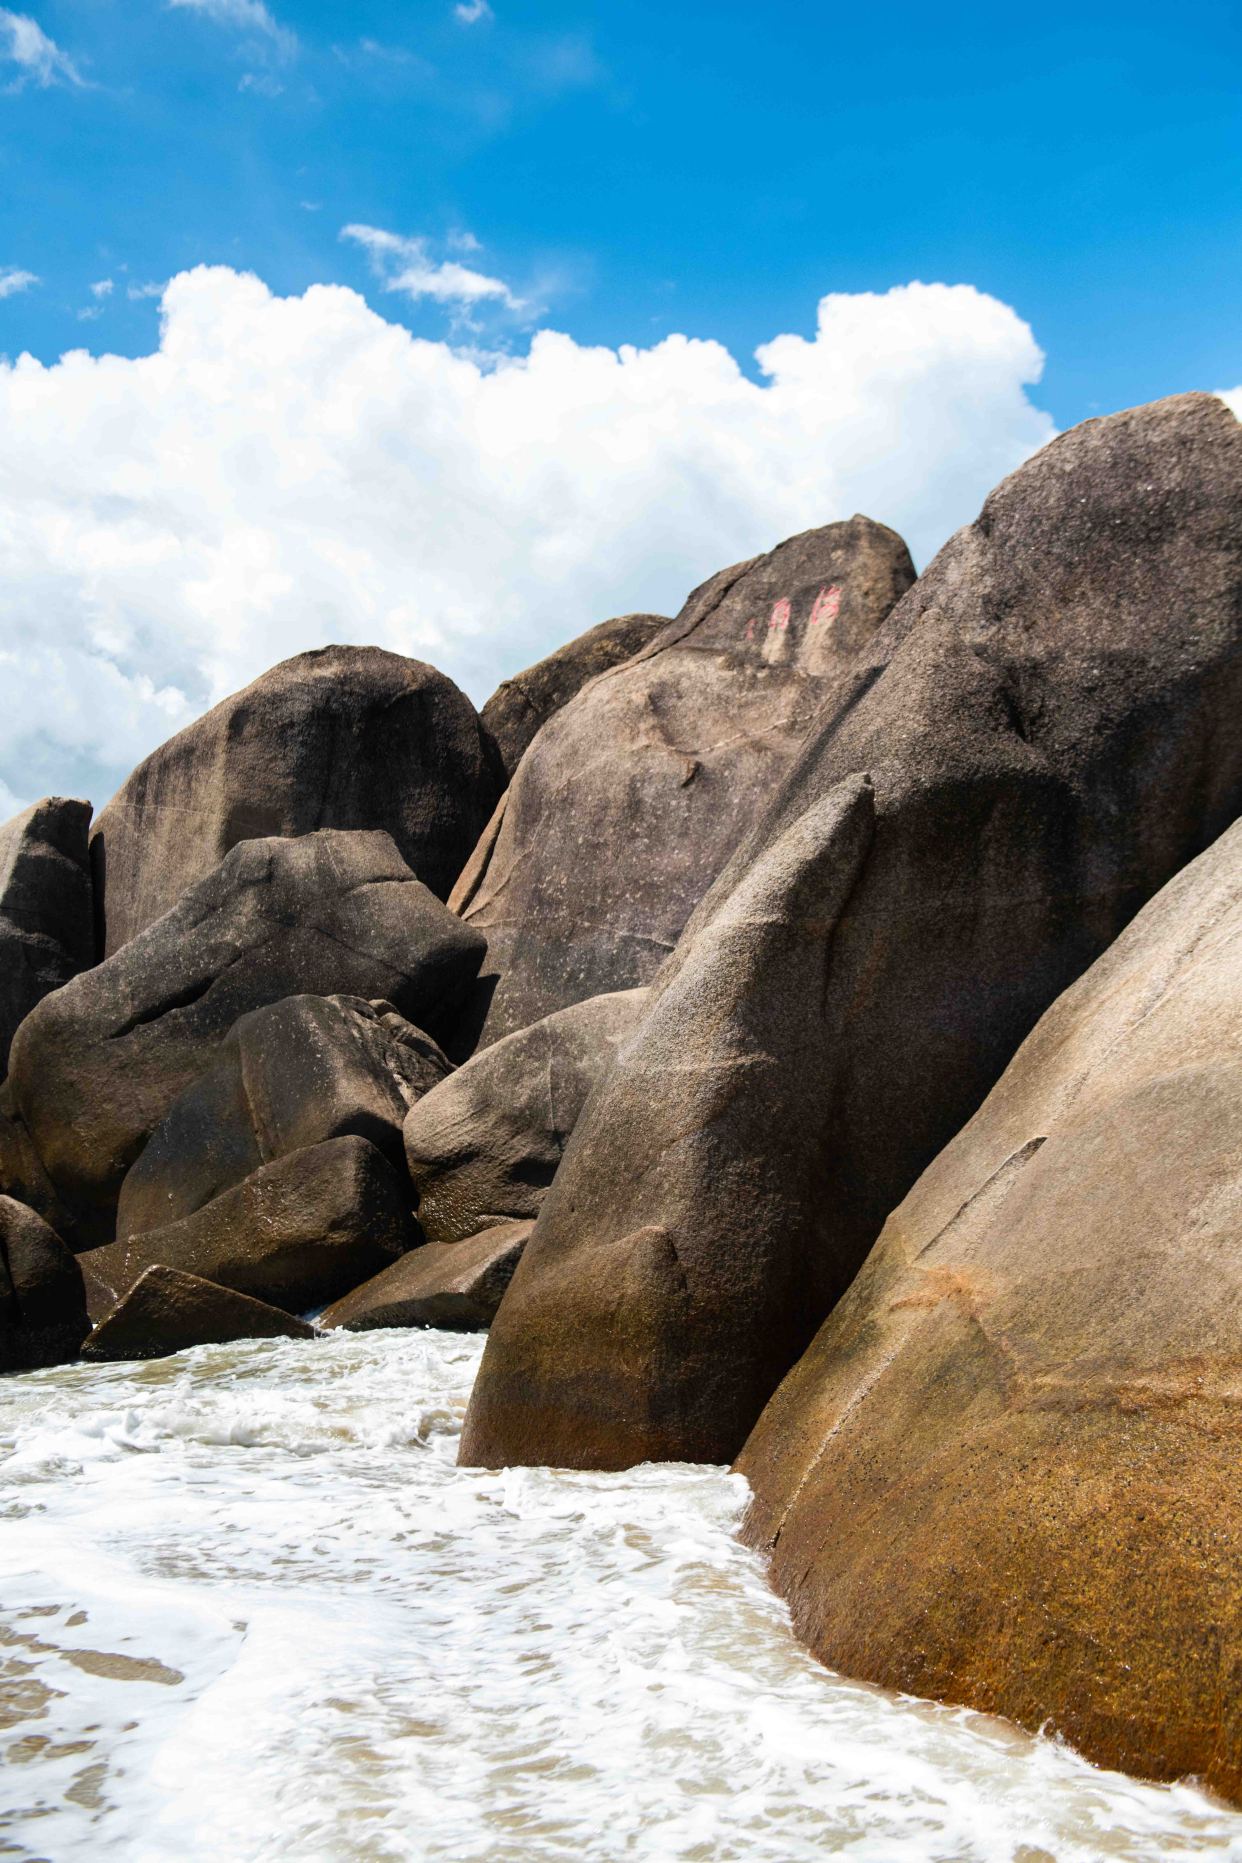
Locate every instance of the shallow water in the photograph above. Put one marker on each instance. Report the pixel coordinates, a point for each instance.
(250, 1610)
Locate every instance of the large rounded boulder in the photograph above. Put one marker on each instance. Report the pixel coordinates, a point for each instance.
(1054, 730)
(47, 926)
(1006, 1472)
(287, 1076)
(343, 737)
(99, 1063)
(634, 795)
(483, 1146)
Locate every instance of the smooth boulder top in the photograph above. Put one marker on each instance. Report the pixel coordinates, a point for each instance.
(1054, 729)
(99, 1063)
(635, 794)
(42, 1300)
(167, 1311)
(457, 1285)
(483, 1146)
(1006, 1472)
(521, 706)
(343, 737)
(47, 927)
(286, 1076)
(297, 1233)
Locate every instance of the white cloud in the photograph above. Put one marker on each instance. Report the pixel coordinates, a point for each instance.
(244, 16)
(470, 12)
(404, 265)
(282, 472)
(136, 293)
(1232, 398)
(102, 288)
(39, 60)
(13, 280)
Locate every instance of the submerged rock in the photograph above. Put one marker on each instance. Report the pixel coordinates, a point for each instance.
(287, 1076)
(167, 1311)
(521, 706)
(298, 1233)
(47, 928)
(483, 1146)
(636, 793)
(99, 1063)
(345, 737)
(458, 1285)
(42, 1301)
(1006, 1472)
(1055, 728)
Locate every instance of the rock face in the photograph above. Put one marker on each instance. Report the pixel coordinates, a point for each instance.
(42, 1302)
(47, 930)
(639, 790)
(1055, 728)
(298, 1233)
(660, 1299)
(458, 1285)
(286, 1077)
(1006, 1472)
(346, 737)
(522, 705)
(484, 1145)
(99, 1063)
(167, 1311)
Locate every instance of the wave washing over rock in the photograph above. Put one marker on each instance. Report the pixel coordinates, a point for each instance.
(252, 1610)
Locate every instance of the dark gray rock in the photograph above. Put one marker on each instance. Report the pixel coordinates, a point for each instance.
(484, 1145)
(297, 1233)
(458, 1285)
(1006, 1472)
(1056, 728)
(345, 737)
(635, 794)
(47, 929)
(100, 1062)
(522, 705)
(167, 1311)
(285, 1077)
(42, 1301)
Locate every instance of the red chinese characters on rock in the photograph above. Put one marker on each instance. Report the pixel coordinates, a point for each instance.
(827, 605)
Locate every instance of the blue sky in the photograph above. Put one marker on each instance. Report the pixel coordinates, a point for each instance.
(640, 168)
(458, 326)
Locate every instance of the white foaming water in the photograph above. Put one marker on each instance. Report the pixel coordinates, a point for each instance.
(251, 1610)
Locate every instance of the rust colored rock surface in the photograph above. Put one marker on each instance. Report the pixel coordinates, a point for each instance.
(1006, 1473)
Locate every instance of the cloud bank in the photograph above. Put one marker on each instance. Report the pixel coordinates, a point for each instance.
(283, 472)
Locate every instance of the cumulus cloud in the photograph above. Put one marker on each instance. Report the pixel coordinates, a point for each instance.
(13, 280)
(1232, 398)
(284, 472)
(471, 12)
(403, 264)
(39, 60)
(102, 288)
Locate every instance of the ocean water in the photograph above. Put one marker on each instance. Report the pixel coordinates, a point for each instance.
(249, 1609)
